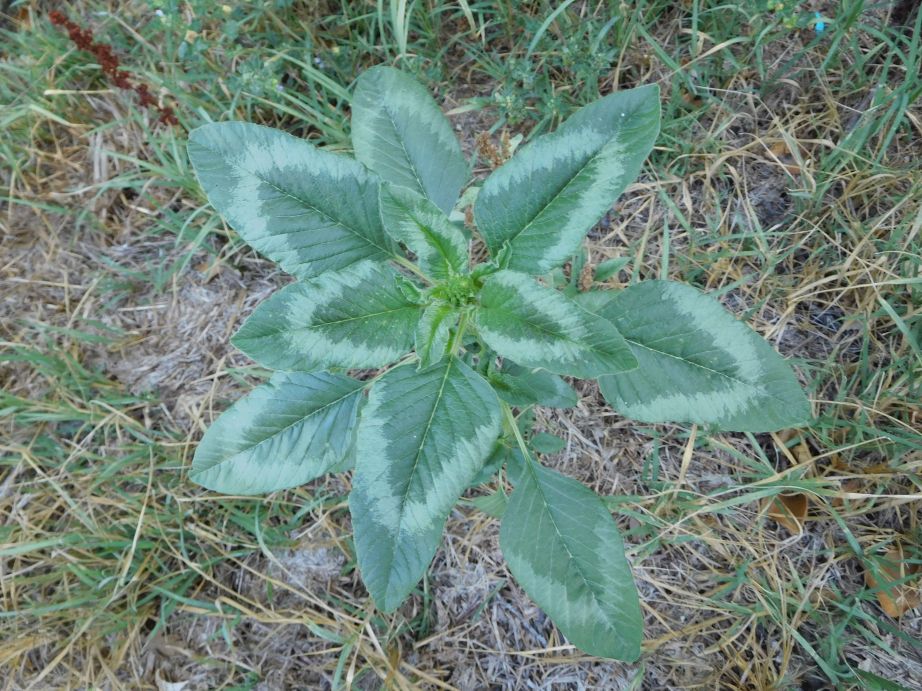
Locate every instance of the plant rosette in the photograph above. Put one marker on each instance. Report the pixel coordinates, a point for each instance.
(384, 282)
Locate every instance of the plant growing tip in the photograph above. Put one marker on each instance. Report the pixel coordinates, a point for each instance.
(385, 281)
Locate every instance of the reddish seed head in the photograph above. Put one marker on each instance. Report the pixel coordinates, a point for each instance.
(109, 64)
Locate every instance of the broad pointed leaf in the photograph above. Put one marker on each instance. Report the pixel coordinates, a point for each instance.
(537, 326)
(282, 434)
(422, 438)
(698, 363)
(410, 218)
(309, 210)
(399, 132)
(522, 386)
(357, 317)
(563, 547)
(545, 199)
(433, 332)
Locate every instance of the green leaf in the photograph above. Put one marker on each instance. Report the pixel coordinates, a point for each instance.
(872, 682)
(309, 210)
(538, 327)
(493, 505)
(399, 132)
(357, 317)
(282, 434)
(433, 332)
(563, 547)
(543, 442)
(422, 438)
(545, 199)
(439, 245)
(520, 386)
(609, 268)
(697, 363)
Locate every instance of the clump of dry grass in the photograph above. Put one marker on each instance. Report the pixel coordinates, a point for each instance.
(796, 201)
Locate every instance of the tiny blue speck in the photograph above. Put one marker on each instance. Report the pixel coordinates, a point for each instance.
(820, 25)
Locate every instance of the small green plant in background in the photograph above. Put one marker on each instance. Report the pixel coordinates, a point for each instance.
(465, 352)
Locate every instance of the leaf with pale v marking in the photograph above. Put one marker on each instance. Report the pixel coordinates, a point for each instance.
(282, 434)
(309, 210)
(563, 547)
(544, 200)
(400, 133)
(358, 317)
(422, 438)
(697, 363)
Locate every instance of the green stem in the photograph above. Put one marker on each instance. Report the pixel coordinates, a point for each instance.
(520, 440)
(458, 335)
(410, 266)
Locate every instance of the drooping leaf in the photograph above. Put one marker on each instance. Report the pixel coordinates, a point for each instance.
(433, 332)
(399, 132)
(357, 317)
(697, 363)
(545, 199)
(536, 326)
(422, 438)
(284, 433)
(309, 210)
(522, 386)
(563, 547)
(410, 218)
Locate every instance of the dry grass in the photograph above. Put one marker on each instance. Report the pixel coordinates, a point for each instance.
(797, 201)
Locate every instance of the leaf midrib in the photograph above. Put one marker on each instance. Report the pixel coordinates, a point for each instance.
(370, 315)
(736, 380)
(412, 164)
(419, 453)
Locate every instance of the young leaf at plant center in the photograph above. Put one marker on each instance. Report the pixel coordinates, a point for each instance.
(400, 133)
(422, 438)
(563, 547)
(309, 210)
(536, 326)
(544, 200)
(698, 364)
(286, 432)
(410, 218)
(521, 386)
(357, 317)
(433, 333)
